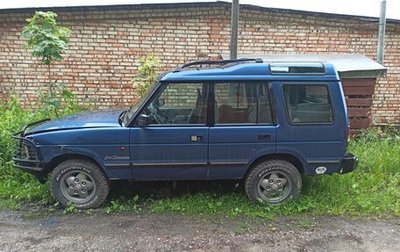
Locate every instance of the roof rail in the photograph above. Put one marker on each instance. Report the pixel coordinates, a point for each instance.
(219, 62)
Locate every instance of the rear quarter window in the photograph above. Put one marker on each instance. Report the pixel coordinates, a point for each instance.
(308, 103)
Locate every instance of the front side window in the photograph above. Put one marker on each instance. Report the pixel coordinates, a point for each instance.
(308, 103)
(179, 103)
(242, 103)
(129, 113)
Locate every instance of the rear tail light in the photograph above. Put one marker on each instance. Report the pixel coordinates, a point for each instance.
(347, 134)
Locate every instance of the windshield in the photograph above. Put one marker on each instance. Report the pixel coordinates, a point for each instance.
(130, 112)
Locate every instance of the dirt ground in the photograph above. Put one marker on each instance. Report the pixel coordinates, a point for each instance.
(27, 231)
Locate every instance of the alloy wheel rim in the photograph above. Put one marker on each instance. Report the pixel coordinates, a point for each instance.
(274, 187)
(78, 186)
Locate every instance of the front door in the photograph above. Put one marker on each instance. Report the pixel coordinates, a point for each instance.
(174, 145)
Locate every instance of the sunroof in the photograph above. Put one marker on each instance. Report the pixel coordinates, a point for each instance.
(297, 68)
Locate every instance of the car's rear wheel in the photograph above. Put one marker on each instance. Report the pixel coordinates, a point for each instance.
(80, 182)
(273, 181)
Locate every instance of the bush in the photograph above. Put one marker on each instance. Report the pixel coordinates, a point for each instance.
(147, 73)
(17, 186)
(14, 184)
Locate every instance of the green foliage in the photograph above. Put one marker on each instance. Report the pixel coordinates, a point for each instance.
(121, 204)
(147, 73)
(45, 37)
(17, 186)
(56, 99)
(12, 118)
(48, 41)
(70, 209)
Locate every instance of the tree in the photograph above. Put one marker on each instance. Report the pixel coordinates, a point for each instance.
(45, 37)
(48, 41)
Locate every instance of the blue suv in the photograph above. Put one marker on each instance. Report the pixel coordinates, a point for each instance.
(265, 123)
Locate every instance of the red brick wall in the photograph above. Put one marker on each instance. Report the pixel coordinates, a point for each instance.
(106, 43)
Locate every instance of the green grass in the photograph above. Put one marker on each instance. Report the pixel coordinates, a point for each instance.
(373, 189)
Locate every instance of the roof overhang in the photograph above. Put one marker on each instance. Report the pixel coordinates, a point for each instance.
(347, 65)
(61, 6)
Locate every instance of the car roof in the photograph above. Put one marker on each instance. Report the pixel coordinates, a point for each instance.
(247, 70)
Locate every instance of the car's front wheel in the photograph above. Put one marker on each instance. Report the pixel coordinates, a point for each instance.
(80, 182)
(273, 181)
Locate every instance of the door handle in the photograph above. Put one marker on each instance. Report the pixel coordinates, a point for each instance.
(196, 138)
(264, 138)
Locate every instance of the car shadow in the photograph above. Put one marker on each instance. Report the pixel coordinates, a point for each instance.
(172, 189)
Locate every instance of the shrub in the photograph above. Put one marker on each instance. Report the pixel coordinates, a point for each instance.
(14, 184)
(147, 73)
(17, 186)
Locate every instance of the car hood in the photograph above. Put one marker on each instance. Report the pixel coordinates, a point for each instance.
(87, 119)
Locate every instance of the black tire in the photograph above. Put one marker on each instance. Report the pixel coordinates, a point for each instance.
(80, 182)
(273, 181)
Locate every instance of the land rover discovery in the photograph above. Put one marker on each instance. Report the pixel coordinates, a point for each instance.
(265, 123)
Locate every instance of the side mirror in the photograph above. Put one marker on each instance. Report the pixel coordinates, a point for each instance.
(143, 120)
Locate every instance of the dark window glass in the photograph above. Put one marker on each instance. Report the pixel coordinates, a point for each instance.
(238, 103)
(308, 103)
(179, 103)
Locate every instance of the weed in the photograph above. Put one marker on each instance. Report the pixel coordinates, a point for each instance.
(121, 204)
(70, 208)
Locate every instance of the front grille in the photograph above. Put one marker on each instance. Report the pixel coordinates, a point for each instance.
(26, 155)
(25, 151)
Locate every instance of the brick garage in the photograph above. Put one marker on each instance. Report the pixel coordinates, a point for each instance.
(107, 41)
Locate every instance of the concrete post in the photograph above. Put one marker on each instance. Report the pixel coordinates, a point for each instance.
(234, 28)
(381, 35)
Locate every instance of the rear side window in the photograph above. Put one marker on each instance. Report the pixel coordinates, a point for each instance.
(242, 103)
(308, 103)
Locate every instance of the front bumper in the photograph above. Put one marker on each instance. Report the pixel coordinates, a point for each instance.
(26, 156)
(349, 163)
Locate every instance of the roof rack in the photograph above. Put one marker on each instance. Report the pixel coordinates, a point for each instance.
(219, 62)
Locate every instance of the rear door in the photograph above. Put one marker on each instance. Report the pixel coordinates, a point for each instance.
(174, 145)
(243, 127)
(312, 124)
